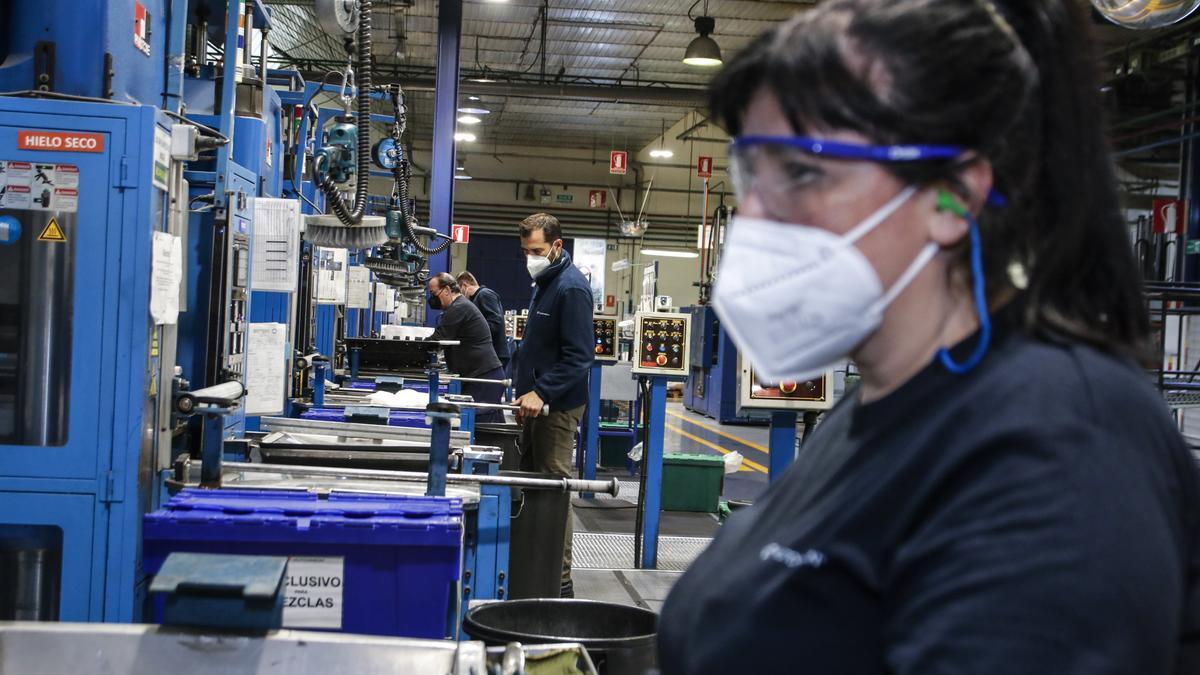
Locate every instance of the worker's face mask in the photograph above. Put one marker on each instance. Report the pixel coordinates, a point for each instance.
(825, 296)
(536, 264)
(435, 301)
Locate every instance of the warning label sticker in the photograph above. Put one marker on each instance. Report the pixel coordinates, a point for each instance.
(16, 197)
(68, 175)
(53, 233)
(312, 594)
(65, 199)
(15, 173)
(39, 187)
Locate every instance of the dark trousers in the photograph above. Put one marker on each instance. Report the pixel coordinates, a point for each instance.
(548, 446)
(487, 393)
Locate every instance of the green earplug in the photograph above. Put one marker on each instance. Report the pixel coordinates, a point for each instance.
(948, 202)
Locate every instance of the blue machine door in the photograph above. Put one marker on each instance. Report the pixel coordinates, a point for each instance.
(60, 275)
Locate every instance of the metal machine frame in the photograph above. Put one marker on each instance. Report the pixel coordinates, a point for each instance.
(89, 488)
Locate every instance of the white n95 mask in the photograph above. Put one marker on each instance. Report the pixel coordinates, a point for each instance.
(798, 299)
(536, 264)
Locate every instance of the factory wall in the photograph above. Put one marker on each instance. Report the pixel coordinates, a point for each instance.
(509, 182)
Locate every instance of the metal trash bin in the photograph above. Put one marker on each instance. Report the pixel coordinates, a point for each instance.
(536, 539)
(619, 638)
(507, 437)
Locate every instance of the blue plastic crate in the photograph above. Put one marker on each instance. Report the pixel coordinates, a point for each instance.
(397, 418)
(359, 563)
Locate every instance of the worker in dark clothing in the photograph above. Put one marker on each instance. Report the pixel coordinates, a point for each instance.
(475, 357)
(554, 359)
(492, 309)
(1004, 492)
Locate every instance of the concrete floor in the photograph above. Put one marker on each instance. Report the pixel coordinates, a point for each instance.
(608, 575)
(641, 588)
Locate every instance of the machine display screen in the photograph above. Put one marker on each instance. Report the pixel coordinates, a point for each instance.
(755, 394)
(519, 327)
(812, 390)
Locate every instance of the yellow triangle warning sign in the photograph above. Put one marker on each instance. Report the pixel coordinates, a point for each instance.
(52, 233)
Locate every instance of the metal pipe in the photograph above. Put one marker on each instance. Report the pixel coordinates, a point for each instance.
(1151, 146)
(608, 487)
(35, 584)
(43, 397)
(227, 391)
(479, 380)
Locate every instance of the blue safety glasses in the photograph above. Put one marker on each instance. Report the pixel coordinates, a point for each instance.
(774, 167)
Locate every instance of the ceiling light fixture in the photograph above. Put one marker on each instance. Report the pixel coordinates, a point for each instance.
(661, 152)
(464, 137)
(703, 52)
(474, 111)
(666, 253)
(469, 120)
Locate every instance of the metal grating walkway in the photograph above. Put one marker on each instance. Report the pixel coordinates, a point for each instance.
(628, 492)
(600, 551)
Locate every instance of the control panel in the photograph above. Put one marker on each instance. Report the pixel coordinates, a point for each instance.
(519, 322)
(661, 340)
(753, 393)
(605, 330)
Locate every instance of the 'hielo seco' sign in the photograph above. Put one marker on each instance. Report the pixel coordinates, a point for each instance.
(60, 141)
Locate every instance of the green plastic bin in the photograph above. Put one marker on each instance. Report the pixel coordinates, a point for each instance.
(614, 450)
(692, 482)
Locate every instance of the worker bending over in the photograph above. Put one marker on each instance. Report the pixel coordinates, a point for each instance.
(474, 357)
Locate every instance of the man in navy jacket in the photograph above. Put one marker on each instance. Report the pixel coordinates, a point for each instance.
(492, 309)
(554, 359)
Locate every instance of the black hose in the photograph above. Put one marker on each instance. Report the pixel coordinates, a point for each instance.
(422, 247)
(400, 170)
(332, 196)
(640, 525)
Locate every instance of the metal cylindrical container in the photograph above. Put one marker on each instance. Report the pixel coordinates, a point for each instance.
(30, 587)
(43, 393)
(619, 638)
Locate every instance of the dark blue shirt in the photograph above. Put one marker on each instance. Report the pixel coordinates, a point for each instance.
(556, 354)
(492, 310)
(1038, 515)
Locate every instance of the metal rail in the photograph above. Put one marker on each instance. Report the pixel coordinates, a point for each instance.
(608, 487)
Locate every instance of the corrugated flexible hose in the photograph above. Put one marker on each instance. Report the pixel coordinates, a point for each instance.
(336, 203)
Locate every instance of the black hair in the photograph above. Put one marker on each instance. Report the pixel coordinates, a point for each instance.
(545, 222)
(1014, 81)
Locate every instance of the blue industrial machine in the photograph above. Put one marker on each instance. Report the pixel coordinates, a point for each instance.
(80, 372)
(712, 385)
(134, 172)
(110, 49)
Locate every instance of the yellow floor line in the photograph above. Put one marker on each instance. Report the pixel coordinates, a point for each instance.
(745, 462)
(718, 432)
